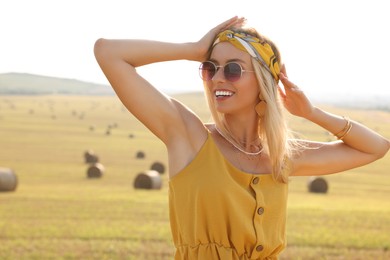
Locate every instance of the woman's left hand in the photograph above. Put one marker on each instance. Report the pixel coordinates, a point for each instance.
(294, 99)
(203, 45)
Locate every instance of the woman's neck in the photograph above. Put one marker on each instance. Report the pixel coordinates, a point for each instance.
(244, 132)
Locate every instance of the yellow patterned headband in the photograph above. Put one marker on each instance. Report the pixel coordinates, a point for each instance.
(261, 51)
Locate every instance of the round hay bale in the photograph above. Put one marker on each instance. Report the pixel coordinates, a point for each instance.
(158, 166)
(8, 180)
(96, 170)
(150, 180)
(317, 185)
(140, 155)
(90, 157)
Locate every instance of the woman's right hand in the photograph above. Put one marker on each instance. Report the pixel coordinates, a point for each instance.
(203, 45)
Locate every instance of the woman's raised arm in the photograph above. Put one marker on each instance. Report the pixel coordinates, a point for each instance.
(358, 145)
(119, 58)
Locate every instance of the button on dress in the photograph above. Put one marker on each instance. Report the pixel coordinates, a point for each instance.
(220, 212)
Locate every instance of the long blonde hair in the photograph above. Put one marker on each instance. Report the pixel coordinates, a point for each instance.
(272, 127)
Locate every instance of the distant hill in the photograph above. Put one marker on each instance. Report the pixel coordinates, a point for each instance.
(29, 84)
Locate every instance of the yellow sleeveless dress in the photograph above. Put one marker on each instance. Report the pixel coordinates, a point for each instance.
(220, 212)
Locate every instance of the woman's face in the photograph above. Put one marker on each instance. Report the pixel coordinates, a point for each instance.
(240, 96)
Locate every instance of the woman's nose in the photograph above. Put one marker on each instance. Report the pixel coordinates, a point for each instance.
(219, 75)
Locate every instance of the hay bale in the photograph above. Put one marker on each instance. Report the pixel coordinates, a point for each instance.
(140, 155)
(317, 185)
(158, 166)
(150, 180)
(90, 157)
(96, 170)
(8, 180)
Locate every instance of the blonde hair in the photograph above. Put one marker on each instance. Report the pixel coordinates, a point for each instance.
(272, 127)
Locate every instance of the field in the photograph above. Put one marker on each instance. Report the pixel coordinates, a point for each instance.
(58, 213)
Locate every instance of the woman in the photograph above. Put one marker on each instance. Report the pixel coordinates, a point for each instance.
(228, 180)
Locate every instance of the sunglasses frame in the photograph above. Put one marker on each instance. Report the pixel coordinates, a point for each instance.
(225, 74)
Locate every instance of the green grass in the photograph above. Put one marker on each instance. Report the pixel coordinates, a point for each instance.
(58, 213)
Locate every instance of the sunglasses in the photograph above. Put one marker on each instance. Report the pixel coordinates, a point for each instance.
(232, 71)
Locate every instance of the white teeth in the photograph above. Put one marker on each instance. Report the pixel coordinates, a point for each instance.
(223, 93)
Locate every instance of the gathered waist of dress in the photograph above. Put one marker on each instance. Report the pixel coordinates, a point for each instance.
(213, 250)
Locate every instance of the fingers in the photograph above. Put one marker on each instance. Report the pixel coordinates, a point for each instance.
(226, 23)
(234, 21)
(283, 70)
(288, 85)
(284, 80)
(239, 22)
(281, 92)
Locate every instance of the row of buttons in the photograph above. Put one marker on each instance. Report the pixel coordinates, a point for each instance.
(260, 211)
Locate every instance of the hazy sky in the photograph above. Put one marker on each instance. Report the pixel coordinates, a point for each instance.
(336, 46)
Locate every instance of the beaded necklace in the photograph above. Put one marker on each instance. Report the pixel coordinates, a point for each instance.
(239, 148)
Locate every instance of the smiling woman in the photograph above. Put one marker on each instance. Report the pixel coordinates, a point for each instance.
(228, 184)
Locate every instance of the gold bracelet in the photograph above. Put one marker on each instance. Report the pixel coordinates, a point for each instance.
(346, 132)
(345, 127)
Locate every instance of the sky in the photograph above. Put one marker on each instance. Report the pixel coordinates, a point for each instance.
(332, 46)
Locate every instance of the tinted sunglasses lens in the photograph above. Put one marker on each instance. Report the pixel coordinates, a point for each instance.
(232, 71)
(207, 70)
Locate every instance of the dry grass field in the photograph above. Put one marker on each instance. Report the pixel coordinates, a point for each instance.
(57, 212)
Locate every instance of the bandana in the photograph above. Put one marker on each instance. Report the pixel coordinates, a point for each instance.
(261, 51)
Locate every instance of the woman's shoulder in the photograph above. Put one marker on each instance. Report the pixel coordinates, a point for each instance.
(184, 148)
